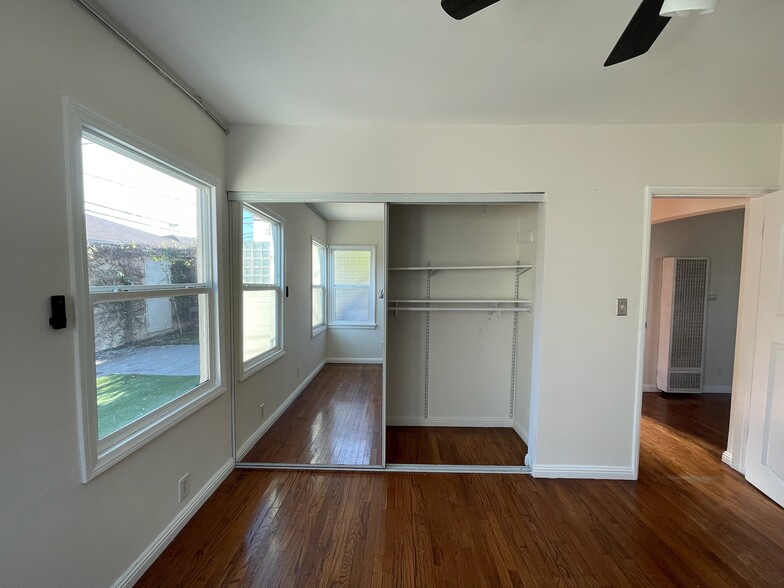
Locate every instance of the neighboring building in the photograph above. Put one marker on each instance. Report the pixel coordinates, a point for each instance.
(142, 258)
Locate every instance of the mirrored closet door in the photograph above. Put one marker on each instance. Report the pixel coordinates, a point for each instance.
(308, 282)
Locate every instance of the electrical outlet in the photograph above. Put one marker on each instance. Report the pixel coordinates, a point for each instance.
(622, 308)
(261, 411)
(183, 487)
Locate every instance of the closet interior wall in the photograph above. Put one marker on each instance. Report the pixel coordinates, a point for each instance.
(460, 368)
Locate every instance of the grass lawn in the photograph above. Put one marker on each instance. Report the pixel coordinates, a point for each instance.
(122, 398)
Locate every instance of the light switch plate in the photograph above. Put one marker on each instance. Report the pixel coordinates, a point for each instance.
(623, 306)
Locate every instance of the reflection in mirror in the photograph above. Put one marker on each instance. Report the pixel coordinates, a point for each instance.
(309, 324)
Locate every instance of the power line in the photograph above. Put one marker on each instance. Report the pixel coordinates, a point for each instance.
(140, 189)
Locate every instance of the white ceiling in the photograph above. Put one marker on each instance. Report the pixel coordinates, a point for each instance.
(350, 211)
(518, 61)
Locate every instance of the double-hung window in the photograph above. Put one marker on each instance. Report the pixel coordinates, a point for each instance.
(146, 296)
(352, 286)
(318, 319)
(262, 287)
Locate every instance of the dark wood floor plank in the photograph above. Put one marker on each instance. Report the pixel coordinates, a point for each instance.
(336, 420)
(455, 446)
(688, 521)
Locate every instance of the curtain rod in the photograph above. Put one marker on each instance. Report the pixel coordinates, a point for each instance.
(150, 58)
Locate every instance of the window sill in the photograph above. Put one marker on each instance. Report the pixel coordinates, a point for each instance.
(249, 370)
(112, 455)
(355, 326)
(318, 330)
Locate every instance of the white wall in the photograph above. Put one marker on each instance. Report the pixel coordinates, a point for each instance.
(359, 343)
(57, 531)
(273, 384)
(595, 179)
(718, 236)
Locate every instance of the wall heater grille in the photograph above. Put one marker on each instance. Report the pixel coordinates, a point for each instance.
(684, 297)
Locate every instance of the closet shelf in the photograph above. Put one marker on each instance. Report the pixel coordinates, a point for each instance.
(432, 305)
(443, 301)
(423, 268)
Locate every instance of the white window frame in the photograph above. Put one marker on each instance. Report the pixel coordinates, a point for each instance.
(336, 324)
(100, 454)
(253, 365)
(321, 327)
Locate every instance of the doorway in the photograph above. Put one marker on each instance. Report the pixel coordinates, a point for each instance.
(695, 259)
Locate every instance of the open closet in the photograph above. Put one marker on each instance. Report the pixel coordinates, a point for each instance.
(399, 330)
(460, 333)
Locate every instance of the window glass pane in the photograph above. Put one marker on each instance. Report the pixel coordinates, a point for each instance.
(147, 353)
(259, 237)
(142, 224)
(318, 306)
(317, 255)
(352, 304)
(259, 322)
(351, 267)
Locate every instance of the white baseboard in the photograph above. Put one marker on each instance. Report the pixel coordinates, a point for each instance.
(372, 360)
(650, 388)
(447, 422)
(717, 389)
(258, 433)
(726, 457)
(149, 555)
(522, 431)
(583, 472)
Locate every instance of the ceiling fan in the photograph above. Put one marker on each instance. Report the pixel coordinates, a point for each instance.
(643, 29)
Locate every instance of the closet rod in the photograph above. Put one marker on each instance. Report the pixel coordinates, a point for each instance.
(458, 267)
(444, 301)
(452, 309)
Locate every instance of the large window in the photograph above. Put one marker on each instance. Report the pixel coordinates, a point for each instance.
(352, 286)
(318, 319)
(262, 287)
(144, 250)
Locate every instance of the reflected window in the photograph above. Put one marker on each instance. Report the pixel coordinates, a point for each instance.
(262, 286)
(352, 283)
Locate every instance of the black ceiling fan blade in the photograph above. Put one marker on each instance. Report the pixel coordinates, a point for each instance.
(643, 29)
(459, 9)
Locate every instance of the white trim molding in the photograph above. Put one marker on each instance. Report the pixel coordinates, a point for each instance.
(650, 388)
(391, 197)
(265, 426)
(149, 555)
(448, 422)
(726, 457)
(711, 191)
(583, 472)
(371, 360)
(457, 469)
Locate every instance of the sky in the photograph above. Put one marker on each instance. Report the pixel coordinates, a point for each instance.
(120, 189)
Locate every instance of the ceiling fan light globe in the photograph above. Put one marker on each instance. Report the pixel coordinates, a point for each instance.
(687, 7)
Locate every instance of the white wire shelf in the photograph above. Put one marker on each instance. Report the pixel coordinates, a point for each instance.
(450, 301)
(488, 306)
(424, 268)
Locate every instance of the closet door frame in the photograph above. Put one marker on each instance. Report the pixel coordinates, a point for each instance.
(424, 199)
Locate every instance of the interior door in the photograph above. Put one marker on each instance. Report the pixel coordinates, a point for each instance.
(765, 453)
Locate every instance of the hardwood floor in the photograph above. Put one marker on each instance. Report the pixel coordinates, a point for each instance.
(688, 521)
(704, 419)
(336, 420)
(455, 446)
